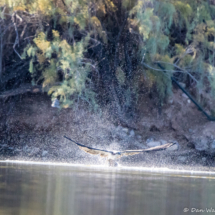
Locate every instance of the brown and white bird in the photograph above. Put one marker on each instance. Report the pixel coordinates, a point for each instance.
(114, 155)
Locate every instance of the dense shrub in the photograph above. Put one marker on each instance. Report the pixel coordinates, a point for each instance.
(104, 51)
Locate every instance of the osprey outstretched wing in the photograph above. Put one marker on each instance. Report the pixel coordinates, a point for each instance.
(90, 150)
(156, 148)
(116, 155)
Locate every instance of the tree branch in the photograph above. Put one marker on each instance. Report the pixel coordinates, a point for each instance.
(182, 70)
(17, 34)
(117, 42)
(21, 90)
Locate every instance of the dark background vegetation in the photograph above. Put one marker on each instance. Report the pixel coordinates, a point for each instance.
(106, 53)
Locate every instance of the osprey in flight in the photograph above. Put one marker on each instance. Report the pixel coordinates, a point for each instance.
(113, 155)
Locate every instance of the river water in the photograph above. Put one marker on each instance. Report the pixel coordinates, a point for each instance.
(35, 189)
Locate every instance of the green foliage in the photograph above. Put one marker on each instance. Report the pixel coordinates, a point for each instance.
(193, 49)
(142, 19)
(57, 56)
(75, 37)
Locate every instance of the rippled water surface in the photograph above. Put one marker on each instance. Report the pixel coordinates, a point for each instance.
(29, 189)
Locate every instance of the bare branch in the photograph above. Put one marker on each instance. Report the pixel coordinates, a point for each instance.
(171, 71)
(17, 34)
(190, 49)
(23, 31)
(18, 17)
(181, 69)
(21, 90)
(160, 70)
(1, 54)
(117, 42)
(1, 45)
(29, 37)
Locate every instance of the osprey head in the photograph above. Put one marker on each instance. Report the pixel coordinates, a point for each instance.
(115, 155)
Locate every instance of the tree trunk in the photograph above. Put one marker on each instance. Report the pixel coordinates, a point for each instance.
(1, 53)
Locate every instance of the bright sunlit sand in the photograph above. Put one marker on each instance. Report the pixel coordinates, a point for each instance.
(171, 172)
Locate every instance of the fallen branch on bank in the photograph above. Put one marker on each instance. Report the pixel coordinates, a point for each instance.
(21, 90)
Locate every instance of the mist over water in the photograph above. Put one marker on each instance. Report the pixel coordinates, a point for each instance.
(55, 189)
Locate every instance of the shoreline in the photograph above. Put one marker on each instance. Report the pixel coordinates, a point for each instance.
(33, 131)
(154, 170)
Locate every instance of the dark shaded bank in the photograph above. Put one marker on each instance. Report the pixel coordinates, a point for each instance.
(30, 129)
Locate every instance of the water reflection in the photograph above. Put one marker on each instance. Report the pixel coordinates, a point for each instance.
(55, 190)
